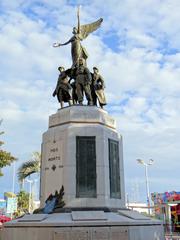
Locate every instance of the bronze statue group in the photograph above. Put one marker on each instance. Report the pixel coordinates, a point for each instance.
(73, 83)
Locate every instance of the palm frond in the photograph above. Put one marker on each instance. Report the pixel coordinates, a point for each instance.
(28, 168)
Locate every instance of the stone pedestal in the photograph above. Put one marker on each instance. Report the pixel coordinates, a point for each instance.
(83, 152)
(86, 225)
(59, 156)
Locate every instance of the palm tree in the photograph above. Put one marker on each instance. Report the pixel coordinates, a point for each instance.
(23, 203)
(29, 167)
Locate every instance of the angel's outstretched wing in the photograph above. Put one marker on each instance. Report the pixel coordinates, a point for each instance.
(89, 28)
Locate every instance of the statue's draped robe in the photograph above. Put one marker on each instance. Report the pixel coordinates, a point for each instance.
(77, 50)
(98, 86)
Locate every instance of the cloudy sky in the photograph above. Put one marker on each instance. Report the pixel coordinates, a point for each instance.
(137, 50)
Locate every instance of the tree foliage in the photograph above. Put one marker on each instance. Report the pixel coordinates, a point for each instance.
(22, 203)
(29, 167)
(5, 157)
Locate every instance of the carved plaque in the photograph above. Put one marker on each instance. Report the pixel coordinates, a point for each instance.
(33, 218)
(119, 233)
(101, 234)
(133, 215)
(115, 191)
(79, 234)
(85, 166)
(88, 215)
(61, 235)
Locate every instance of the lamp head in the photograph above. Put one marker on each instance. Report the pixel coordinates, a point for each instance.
(151, 161)
(140, 161)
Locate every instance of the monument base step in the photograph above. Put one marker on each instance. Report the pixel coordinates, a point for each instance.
(84, 225)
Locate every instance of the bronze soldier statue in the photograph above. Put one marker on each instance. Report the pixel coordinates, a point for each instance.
(83, 82)
(79, 33)
(97, 88)
(63, 88)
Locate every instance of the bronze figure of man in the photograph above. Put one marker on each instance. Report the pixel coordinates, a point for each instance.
(83, 82)
(63, 88)
(97, 88)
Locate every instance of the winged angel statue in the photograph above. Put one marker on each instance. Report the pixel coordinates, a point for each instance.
(80, 33)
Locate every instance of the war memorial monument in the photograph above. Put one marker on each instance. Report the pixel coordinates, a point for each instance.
(82, 175)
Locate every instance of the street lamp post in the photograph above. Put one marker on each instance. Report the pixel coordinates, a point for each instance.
(30, 193)
(151, 161)
(31, 182)
(13, 177)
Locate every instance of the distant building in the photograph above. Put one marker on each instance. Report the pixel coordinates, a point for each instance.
(11, 203)
(2, 207)
(167, 208)
(139, 207)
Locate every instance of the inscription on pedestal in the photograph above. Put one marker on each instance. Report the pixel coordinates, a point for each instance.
(54, 149)
(52, 167)
(56, 157)
(86, 166)
(119, 233)
(79, 235)
(101, 234)
(115, 191)
(61, 236)
(53, 157)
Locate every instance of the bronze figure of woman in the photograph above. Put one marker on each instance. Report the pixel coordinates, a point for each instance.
(79, 33)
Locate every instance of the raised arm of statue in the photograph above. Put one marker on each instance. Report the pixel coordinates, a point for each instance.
(61, 44)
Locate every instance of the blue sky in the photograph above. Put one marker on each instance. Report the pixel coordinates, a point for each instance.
(137, 50)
